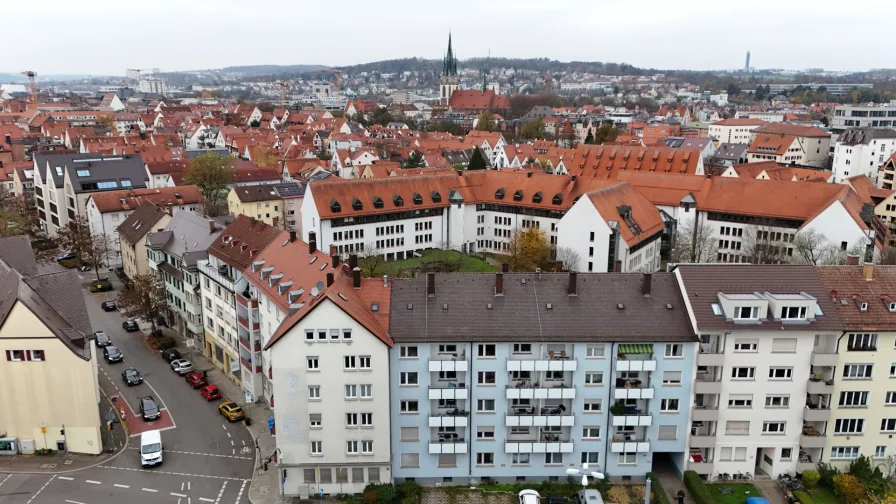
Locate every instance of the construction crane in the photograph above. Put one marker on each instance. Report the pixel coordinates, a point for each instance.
(338, 78)
(32, 75)
(283, 85)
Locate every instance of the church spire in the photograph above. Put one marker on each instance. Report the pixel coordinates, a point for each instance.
(449, 66)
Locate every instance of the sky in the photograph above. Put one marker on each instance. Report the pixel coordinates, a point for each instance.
(105, 37)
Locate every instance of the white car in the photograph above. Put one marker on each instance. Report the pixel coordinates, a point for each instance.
(530, 497)
(181, 366)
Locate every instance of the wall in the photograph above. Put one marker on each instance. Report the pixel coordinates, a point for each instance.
(574, 231)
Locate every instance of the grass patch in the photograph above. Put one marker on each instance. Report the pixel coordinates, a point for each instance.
(823, 495)
(435, 260)
(740, 491)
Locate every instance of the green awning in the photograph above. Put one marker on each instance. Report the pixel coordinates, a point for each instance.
(635, 348)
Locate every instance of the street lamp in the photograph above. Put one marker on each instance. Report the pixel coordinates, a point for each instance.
(585, 473)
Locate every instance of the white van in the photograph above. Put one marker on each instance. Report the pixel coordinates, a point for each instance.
(151, 448)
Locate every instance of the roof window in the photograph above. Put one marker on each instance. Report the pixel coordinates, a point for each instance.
(558, 199)
(377, 202)
(499, 194)
(398, 200)
(357, 205)
(418, 200)
(536, 198)
(518, 195)
(717, 310)
(335, 207)
(436, 197)
(83, 173)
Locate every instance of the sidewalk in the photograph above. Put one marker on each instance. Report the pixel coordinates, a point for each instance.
(265, 487)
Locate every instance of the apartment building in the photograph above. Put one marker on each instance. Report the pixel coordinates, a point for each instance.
(516, 377)
(863, 116)
(225, 305)
(765, 361)
(862, 151)
(273, 204)
(734, 131)
(132, 234)
(811, 146)
(174, 254)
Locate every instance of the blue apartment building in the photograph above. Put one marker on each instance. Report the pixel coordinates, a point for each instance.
(520, 376)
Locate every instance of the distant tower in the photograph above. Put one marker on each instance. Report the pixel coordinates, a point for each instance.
(747, 66)
(450, 81)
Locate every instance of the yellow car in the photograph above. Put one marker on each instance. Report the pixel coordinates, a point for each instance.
(231, 411)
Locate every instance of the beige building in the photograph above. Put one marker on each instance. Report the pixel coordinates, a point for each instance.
(737, 131)
(48, 379)
(131, 235)
(803, 145)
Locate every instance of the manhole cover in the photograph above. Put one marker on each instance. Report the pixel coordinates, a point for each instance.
(52, 465)
(44, 466)
(68, 462)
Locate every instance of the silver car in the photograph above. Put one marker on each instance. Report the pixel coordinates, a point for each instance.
(181, 366)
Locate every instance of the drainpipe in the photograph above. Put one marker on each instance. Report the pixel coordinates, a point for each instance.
(694, 237)
(608, 439)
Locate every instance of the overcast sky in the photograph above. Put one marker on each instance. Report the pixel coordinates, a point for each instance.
(108, 36)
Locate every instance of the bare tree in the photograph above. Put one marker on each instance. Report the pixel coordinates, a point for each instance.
(144, 299)
(371, 261)
(812, 247)
(568, 257)
(766, 245)
(694, 243)
(91, 248)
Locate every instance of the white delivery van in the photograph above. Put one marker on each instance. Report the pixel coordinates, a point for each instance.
(151, 448)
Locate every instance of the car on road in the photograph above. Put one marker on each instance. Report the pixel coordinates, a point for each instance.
(130, 325)
(181, 366)
(170, 354)
(210, 392)
(196, 379)
(149, 410)
(112, 354)
(150, 448)
(108, 306)
(131, 376)
(529, 497)
(65, 256)
(102, 339)
(231, 411)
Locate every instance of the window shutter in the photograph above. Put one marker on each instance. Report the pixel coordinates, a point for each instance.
(9, 355)
(667, 432)
(27, 354)
(784, 345)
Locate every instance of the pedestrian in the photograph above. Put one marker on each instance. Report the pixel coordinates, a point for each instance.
(681, 497)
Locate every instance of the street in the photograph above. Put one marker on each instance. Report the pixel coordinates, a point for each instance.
(206, 459)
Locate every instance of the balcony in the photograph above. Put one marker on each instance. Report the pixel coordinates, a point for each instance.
(456, 392)
(245, 344)
(448, 445)
(245, 301)
(633, 420)
(537, 447)
(701, 467)
(632, 390)
(820, 387)
(556, 364)
(448, 365)
(816, 414)
(705, 414)
(703, 441)
(707, 386)
(812, 440)
(448, 420)
(245, 324)
(632, 444)
(215, 274)
(823, 359)
(546, 416)
(529, 390)
(710, 359)
(248, 366)
(635, 365)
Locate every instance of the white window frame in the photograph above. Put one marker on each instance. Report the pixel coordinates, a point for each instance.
(594, 378)
(674, 350)
(406, 352)
(314, 392)
(313, 364)
(596, 351)
(407, 409)
(786, 373)
(783, 399)
(774, 427)
(750, 372)
(670, 405)
(317, 448)
(849, 426)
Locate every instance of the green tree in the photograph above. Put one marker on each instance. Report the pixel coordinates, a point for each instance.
(589, 138)
(606, 133)
(92, 248)
(848, 488)
(477, 160)
(533, 129)
(380, 116)
(415, 160)
(254, 124)
(145, 299)
(212, 173)
(486, 121)
(528, 249)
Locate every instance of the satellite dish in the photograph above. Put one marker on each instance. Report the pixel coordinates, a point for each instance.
(314, 291)
(319, 286)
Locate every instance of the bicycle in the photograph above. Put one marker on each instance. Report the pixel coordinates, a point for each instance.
(723, 490)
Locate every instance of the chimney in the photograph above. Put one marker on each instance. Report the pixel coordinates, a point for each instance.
(356, 278)
(211, 226)
(352, 261)
(332, 250)
(9, 139)
(852, 260)
(312, 242)
(573, 177)
(572, 288)
(868, 271)
(617, 267)
(292, 236)
(329, 279)
(431, 284)
(645, 284)
(336, 259)
(499, 284)
(505, 268)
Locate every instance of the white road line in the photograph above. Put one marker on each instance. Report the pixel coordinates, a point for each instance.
(199, 454)
(182, 486)
(122, 486)
(224, 425)
(206, 499)
(92, 482)
(240, 495)
(177, 494)
(173, 423)
(73, 502)
(231, 442)
(228, 434)
(41, 489)
(66, 478)
(226, 478)
(151, 490)
(221, 493)
(188, 485)
(6, 478)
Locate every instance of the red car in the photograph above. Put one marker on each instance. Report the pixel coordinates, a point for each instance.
(196, 379)
(210, 392)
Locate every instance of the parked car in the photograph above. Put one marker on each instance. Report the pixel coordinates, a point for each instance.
(112, 354)
(181, 366)
(131, 376)
(210, 392)
(102, 339)
(529, 497)
(196, 379)
(130, 325)
(170, 354)
(149, 409)
(65, 256)
(231, 411)
(556, 498)
(109, 306)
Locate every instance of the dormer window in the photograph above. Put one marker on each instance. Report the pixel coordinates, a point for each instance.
(746, 313)
(499, 194)
(863, 306)
(418, 200)
(536, 198)
(436, 197)
(398, 200)
(357, 205)
(518, 195)
(377, 202)
(335, 207)
(891, 307)
(558, 199)
(793, 312)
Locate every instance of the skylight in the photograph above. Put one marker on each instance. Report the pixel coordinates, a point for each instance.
(125, 183)
(83, 173)
(717, 310)
(107, 185)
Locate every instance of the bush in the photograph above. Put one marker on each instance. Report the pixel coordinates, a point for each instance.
(810, 478)
(103, 285)
(71, 263)
(619, 495)
(698, 489)
(848, 488)
(166, 342)
(802, 496)
(826, 473)
(369, 496)
(637, 492)
(659, 493)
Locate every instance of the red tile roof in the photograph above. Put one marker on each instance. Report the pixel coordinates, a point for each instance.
(610, 201)
(771, 144)
(112, 201)
(607, 161)
(844, 283)
(792, 129)
(473, 100)
(242, 241)
(743, 121)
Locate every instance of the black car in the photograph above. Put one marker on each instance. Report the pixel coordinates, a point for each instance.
(112, 354)
(130, 325)
(149, 409)
(102, 339)
(170, 354)
(66, 256)
(109, 306)
(131, 376)
(556, 499)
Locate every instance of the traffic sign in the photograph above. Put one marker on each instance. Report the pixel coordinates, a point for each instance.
(191, 342)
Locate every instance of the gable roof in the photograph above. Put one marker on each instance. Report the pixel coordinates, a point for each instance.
(607, 161)
(252, 193)
(638, 219)
(140, 222)
(99, 168)
(296, 263)
(243, 240)
(471, 99)
(17, 253)
(121, 201)
(792, 130)
(864, 136)
(771, 144)
(845, 283)
(740, 121)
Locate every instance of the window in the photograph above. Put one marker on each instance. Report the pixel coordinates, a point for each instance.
(850, 426)
(590, 457)
(862, 341)
(773, 427)
(314, 392)
(485, 432)
(553, 458)
(36, 355)
(524, 348)
(671, 377)
(854, 399)
(364, 362)
(777, 401)
(592, 406)
(409, 407)
(349, 362)
(351, 419)
(725, 454)
(667, 433)
(486, 351)
(485, 378)
(591, 432)
(595, 351)
(313, 364)
(366, 391)
(786, 453)
(334, 334)
(746, 346)
(346, 334)
(408, 378)
(743, 373)
(408, 352)
(674, 350)
(857, 371)
(793, 312)
(740, 401)
(367, 447)
(485, 405)
(594, 378)
(880, 452)
(784, 345)
(888, 425)
(309, 333)
(447, 349)
(737, 428)
(740, 454)
(351, 391)
(891, 399)
(844, 452)
(485, 458)
(410, 460)
(746, 312)
(669, 405)
(410, 434)
(628, 458)
(780, 373)
(519, 459)
(317, 447)
(314, 420)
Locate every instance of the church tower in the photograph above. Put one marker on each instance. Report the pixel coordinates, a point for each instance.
(450, 81)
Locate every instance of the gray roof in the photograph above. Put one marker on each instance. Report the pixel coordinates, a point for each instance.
(140, 222)
(62, 291)
(188, 235)
(857, 136)
(703, 283)
(16, 251)
(126, 171)
(521, 314)
(192, 153)
(730, 151)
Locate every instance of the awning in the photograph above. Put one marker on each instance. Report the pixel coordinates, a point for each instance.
(635, 348)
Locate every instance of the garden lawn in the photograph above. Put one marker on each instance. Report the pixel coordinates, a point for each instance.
(405, 267)
(822, 495)
(739, 495)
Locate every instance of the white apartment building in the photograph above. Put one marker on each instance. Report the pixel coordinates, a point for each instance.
(759, 350)
(771, 116)
(864, 116)
(734, 131)
(152, 85)
(862, 151)
(813, 143)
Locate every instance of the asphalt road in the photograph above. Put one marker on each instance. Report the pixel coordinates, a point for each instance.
(206, 459)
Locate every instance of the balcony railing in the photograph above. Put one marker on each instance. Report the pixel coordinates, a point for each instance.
(245, 344)
(248, 366)
(528, 389)
(545, 364)
(245, 324)
(245, 301)
(436, 447)
(538, 447)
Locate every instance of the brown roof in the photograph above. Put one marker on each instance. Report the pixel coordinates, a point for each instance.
(262, 192)
(771, 144)
(703, 282)
(845, 284)
(243, 173)
(296, 263)
(644, 221)
(166, 167)
(739, 122)
(471, 99)
(140, 222)
(242, 241)
(119, 201)
(792, 130)
(767, 198)
(607, 161)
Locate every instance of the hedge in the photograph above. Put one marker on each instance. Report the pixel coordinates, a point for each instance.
(698, 489)
(658, 492)
(802, 497)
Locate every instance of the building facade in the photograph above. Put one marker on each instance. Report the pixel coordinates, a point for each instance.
(863, 116)
(862, 152)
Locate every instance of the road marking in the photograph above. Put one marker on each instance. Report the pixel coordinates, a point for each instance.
(228, 478)
(177, 494)
(221, 493)
(41, 489)
(6, 478)
(224, 425)
(231, 442)
(66, 478)
(164, 407)
(228, 434)
(151, 490)
(122, 486)
(205, 454)
(206, 499)
(92, 482)
(73, 502)
(240, 495)
(188, 485)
